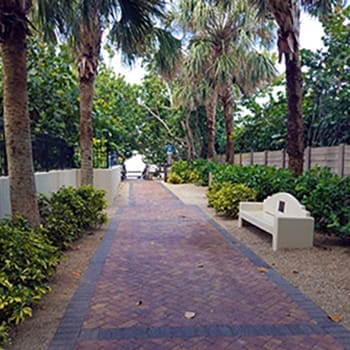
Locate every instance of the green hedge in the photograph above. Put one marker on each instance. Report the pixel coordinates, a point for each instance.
(28, 257)
(263, 179)
(68, 213)
(225, 198)
(327, 197)
(27, 260)
(196, 172)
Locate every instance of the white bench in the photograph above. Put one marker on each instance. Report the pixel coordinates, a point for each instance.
(281, 215)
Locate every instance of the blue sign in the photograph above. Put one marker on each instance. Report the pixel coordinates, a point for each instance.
(169, 149)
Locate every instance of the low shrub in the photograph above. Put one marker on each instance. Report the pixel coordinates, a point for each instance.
(212, 191)
(29, 257)
(27, 260)
(70, 211)
(263, 179)
(196, 172)
(327, 197)
(95, 204)
(175, 178)
(203, 167)
(179, 172)
(226, 199)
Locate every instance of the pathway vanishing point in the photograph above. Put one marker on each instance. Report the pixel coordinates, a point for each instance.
(160, 259)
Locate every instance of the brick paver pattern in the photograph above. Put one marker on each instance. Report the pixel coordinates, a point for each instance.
(162, 258)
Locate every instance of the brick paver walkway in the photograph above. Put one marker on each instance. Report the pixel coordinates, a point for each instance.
(162, 258)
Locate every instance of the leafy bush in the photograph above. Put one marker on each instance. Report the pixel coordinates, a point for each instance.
(95, 203)
(263, 179)
(212, 191)
(175, 178)
(226, 199)
(27, 260)
(70, 211)
(203, 167)
(327, 197)
(179, 172)
(196, 172)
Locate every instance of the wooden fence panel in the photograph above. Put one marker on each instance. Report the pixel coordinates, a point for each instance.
(325, 157)
(246, 158)
(259, 158)
(275, 158)
(337, 158)
(346, 161)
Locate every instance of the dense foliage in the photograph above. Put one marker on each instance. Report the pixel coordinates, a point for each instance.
(53, 91)
(68, 213)
(196, 172)
(225, 198)
(28, 257)
(27, 260)
(327, 197)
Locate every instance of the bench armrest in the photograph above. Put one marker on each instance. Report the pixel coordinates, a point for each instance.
(250, 206)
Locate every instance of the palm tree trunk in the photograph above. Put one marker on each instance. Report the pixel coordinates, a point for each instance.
(90, 43)
(86, 130)
(17, 127)
(189, 138)
(227, 103)
(295, 125)
(210, 108)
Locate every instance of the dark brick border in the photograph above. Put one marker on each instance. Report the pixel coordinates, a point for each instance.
(200, 331)
(70, 326)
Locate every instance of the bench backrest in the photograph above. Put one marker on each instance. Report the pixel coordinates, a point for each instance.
(285, 204)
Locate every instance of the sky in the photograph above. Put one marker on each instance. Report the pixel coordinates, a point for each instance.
(310, 38)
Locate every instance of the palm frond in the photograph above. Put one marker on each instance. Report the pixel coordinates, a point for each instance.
(223, 67)
(52, 17)
(168, 56)
(319, 8)
(259, 69)
(198, 57)
(135, 23)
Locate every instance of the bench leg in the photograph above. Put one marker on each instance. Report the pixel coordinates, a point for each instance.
(240, 222)
(292, 233)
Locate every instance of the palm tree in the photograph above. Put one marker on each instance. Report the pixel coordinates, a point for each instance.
(224, 54)
(14, 28)
(132, 21)
(287, 16)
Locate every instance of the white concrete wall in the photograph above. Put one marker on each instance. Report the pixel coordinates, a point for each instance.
(108, 180)
(5, 207)
(52, 181)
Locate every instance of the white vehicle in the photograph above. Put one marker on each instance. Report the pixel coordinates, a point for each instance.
(135, 167)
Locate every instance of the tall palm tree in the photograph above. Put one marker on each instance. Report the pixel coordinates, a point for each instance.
(130, 22)
(287, 16)
(224, 54)
(14, 28)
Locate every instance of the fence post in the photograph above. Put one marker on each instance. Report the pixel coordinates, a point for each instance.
(283, 158)
(307, 158)
(240, 158)
(341, 159)
(266, 159)
(47, 148)
(251, 158)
